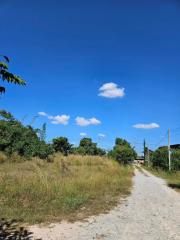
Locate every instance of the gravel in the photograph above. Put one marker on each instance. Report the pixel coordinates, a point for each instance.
(151, 212)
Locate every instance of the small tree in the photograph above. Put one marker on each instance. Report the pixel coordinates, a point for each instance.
(7, 76)
(88, 147)
(123, 152)
(61, 144)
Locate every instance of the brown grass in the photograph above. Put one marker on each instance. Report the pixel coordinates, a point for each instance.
(69, 188)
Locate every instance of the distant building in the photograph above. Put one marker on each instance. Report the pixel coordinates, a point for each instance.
(139, 160)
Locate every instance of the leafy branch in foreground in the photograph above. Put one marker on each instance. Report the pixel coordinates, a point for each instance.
(7, 76)
(9, 230)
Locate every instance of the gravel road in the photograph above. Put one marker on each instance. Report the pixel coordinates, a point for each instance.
(151, 212)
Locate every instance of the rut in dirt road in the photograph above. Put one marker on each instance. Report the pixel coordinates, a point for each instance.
(151, 212)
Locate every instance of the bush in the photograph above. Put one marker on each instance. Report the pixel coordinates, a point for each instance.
(160, 159)
(123, 152)
(176, 159)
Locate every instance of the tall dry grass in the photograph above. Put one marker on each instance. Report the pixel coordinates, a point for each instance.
(70, 187)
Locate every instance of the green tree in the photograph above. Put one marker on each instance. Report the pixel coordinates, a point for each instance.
(23, 140)
(7, 76)
(6, 115)
(88, 147)
(122, 151)
(160, 158)
(122, 142)
(61, 144)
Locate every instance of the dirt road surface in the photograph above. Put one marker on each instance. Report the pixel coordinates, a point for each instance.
(151, 212)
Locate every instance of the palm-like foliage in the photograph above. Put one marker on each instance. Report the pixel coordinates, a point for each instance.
(7, 76)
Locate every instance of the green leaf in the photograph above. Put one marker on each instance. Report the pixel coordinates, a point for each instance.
(2, 90)
(6, 58)
(9, 77)
(3, 65)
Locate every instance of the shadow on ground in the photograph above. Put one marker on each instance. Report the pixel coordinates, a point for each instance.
(10, 230)
(174, 185)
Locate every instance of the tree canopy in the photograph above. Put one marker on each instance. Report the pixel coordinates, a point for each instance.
(123, 152)
(7, 76)
(88, 147)
(20, 139)
(61, 144)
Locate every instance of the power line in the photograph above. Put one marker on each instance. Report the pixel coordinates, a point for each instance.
(162, 139)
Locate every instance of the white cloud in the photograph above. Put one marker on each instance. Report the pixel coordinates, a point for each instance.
(59, 119)
(63, 119)
(101, 135)
(111, 90)
(83, 134)
(94, 121)
(42, 114)
(146, 126)
(81, 121)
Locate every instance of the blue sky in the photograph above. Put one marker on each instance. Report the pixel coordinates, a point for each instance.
(67, 51)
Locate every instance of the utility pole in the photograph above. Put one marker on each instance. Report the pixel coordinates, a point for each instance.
(169, 150)
(148, 156)
(144, 145)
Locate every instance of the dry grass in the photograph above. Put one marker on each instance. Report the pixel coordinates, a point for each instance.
(69, 188)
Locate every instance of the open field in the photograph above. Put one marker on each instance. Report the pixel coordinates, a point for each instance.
(69, 188)
(172, 178)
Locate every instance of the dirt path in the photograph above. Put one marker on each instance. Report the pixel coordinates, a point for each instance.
(151, 212)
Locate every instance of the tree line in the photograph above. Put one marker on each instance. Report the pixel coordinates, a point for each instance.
(29, 142)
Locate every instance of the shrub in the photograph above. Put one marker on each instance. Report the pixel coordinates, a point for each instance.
(160, 159)
(176, 159)
(123, 152)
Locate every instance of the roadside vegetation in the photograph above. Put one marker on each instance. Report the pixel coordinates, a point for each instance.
(71, 188)
(159, 166)
(42, 182)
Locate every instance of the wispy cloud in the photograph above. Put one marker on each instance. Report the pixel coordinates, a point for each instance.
(111, 90)
(58, 119)
(83, 134)
(81, 121)
(146, 126)
(101, 135)
(42, 114)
